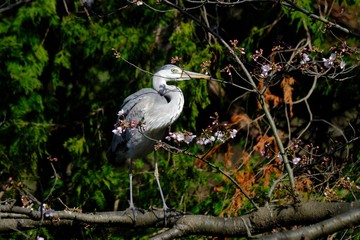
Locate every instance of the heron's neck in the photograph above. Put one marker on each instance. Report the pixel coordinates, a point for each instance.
(175, 102)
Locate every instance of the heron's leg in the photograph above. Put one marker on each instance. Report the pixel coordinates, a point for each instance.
(132, 207)
(156, 174)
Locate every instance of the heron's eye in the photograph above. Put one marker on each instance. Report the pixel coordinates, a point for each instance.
(173, 70)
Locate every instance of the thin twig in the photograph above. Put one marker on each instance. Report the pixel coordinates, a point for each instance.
(4, 9)
(326, 154)
(176, 150)
(285, 3)
(316, 17)
(55, 182)
(66, 7)
(252, 83)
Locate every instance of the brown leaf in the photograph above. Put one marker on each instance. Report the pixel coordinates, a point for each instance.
(286, 85)
(268, 97)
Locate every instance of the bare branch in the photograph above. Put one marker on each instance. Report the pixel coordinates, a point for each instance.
(252, 83)
(288, 4)
(180, 225)
(327, 227)
(173, 149)
(319, 18)
(11, 6)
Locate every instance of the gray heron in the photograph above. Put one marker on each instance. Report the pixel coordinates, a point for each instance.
(144, 117)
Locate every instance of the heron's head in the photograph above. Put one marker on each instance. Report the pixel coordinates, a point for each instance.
(171, 72)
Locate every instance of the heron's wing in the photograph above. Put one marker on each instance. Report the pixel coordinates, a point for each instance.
(131, 101)
(134, 108)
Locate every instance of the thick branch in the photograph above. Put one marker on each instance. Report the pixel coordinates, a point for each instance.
(147, 218)
(261, 221)
(9, 225)
(327, 227)
(179, 225)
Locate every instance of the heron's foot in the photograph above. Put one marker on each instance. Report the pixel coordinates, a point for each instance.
(133, 211)
(166, 210)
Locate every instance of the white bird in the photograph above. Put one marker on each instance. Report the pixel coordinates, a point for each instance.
(144, 117)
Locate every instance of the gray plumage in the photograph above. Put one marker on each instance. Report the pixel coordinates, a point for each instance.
(151, 110)
(156, 108)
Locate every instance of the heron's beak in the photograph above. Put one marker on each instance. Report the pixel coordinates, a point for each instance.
(188, 74)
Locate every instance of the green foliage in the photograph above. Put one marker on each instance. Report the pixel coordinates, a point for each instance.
(184, 31)
(301, 21)
(194, 90)
(76, 146)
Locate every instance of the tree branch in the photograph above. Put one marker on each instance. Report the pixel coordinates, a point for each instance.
(326, 227)
(288, 4)
(252, 82)
(10, 6)
(316, 17)
(180, 225)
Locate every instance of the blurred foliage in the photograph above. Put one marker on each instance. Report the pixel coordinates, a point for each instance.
(61, 88)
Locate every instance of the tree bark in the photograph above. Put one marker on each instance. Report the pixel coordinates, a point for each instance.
(325, 217)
